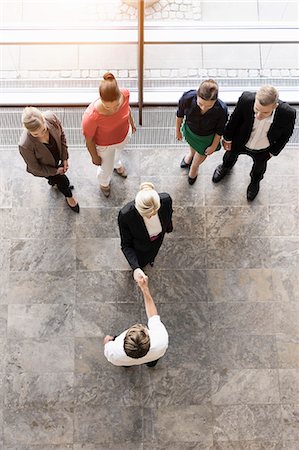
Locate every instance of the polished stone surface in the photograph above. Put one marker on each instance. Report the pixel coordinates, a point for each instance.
(226, 286)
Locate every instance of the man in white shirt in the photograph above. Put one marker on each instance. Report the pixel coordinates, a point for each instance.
(260, 126)
(139, 344)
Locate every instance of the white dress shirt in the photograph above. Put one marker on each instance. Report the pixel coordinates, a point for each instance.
(258, 139)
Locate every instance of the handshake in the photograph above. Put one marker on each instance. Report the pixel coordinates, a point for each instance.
(140, 278)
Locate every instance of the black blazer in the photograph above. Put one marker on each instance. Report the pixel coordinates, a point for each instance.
(136, 245)
(239, 126)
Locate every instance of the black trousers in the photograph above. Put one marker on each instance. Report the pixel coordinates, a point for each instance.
(62, 183)
(259, 161)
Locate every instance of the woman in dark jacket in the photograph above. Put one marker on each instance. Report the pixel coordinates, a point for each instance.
(44, 149)
(143, 224)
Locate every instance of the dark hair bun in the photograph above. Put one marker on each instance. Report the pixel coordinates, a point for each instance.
(108, 76)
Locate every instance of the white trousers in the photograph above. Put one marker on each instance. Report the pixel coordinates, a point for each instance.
(110, 159)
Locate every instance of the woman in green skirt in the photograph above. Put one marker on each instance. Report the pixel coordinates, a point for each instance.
(201, 118)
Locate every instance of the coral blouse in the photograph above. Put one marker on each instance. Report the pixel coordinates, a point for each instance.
(107, 130)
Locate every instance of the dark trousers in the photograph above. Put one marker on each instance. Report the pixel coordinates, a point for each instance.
(62, 183)
(259, 161)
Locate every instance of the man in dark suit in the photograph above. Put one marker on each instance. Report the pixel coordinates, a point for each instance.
(260, 126)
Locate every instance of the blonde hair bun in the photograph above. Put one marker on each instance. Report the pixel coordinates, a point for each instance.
(146, 186)
(32, 118)
(147, 200)
(108, 76)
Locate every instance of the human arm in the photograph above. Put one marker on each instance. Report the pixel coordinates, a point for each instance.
(237, 118)
(150, 307)
(280, 136)
(211, 149)
(178, 124)
(132, 123)
(126, 242)
(91, 147)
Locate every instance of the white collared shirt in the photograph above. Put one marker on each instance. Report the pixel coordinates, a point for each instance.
(115, 353)
(258, 139)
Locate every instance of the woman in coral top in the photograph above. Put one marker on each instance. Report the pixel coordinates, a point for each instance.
(107, 127)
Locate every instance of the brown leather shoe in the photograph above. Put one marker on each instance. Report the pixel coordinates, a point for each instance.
(122, 174)
(105, 190)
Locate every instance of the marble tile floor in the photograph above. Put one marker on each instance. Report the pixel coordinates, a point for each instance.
(226, 286)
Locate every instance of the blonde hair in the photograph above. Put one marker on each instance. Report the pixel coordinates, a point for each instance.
(109, 90)
(147, 199)
(208, 90)
(137, 341)
(32, 118)
(267, 95)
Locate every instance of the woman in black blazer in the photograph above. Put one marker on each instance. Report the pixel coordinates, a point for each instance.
(143, 224)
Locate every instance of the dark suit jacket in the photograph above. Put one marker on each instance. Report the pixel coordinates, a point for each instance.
(239, 126)
(135, 241)
(39, 159)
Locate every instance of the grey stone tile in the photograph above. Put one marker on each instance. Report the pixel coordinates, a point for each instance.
(291, 445)
(182, 386)
(283, 190)
(89, 355)
(248, 445)
(290, 422)
(96, 319)
(3, 353)
(31, 390)
(6, 196)
(181, 424)
(238, 253)
(288, 351)
(98, 424)
(40, 355)
(39, 447)
(4, 286)
(182, 253)
(177, 286)
(154, 161)
(283, 220)
(231, 191)
(37, 255)
(3, 321)
(177, 187)
(243, 318)
(4, 254)
(236, 221)
(287, 318)
(54, 223)
(107, 286)
(188, 221)
(284, 251)
(41, 288)
(5, 222)
(40, 321)
(247, 422)
(184, 346)
(177, 446)
(238, 351)
(252, 386)
(36, 425)
(122, 192)
(240, 285)
(97, 223)
(289, 385)
(110, 446)
(124, 391)
(100, 254)
(286, 284)
(286, 163)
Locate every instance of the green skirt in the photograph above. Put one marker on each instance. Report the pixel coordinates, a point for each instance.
(198, 143)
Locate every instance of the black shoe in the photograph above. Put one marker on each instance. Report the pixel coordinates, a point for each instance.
(151, 263)
(253, 190)
(75, 208)
(219, 173)
(192, 180)
(71, 187)
(185, 165)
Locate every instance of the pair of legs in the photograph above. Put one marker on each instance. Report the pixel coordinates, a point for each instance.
(260, 160)
(63, 185)
(110, 156)
(196, 159)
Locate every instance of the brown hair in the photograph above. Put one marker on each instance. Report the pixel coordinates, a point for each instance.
(137, 341)
(208, 90)
(267, 95)
(109, 90)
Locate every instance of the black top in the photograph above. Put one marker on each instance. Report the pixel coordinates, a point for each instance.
(213, 121)
(53, 148)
